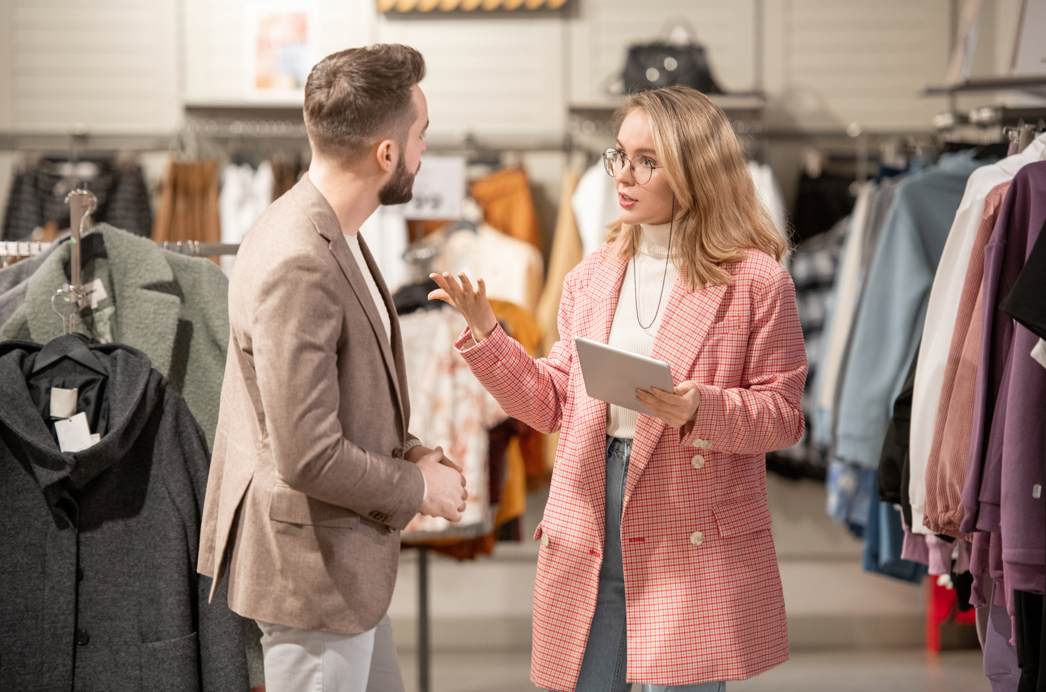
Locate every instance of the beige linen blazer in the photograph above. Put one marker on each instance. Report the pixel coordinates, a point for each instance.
(308, 488)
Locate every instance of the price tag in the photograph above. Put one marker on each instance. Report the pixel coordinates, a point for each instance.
(74, 435)
(63, 402)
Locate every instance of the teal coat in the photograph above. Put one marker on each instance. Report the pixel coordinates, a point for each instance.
(171, 307)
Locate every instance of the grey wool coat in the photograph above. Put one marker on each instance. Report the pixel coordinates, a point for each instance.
(99, 590)
(175, 309)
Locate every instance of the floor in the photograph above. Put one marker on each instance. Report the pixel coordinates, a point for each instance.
(903, 670)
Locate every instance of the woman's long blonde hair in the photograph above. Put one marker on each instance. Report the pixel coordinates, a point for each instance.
(718, 217)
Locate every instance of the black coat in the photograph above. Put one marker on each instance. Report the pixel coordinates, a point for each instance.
(98, 586)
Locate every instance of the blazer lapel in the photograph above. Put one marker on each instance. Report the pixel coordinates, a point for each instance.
(686, 321)
(326, 222)
(594, 315)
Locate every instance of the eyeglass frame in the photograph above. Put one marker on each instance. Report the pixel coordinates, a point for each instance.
(631, 166)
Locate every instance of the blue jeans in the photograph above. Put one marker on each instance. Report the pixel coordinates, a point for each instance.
(605, 665)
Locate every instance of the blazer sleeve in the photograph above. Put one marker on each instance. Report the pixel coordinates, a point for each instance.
(765, 412)
(531, 390)
(295, 330)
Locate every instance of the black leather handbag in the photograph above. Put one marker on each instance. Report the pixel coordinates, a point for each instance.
(661, 64)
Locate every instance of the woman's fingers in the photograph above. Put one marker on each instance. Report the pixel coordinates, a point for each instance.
(440, 294)
(482, 288)
(466, 284)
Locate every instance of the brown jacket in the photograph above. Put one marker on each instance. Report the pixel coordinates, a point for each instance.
(308, 488)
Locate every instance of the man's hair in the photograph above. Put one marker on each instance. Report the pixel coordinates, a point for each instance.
(356, 97)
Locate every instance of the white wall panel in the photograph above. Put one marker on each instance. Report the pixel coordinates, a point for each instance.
(863, 60)
(109, 64)
(493, 76)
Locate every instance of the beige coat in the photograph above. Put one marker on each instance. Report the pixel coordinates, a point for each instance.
(308, 488)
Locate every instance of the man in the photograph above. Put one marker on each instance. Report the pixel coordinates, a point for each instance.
(314, 473)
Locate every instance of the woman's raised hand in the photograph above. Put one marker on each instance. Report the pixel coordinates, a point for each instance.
(470, 302)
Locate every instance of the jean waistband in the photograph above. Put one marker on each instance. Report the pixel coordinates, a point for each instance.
(619, 444)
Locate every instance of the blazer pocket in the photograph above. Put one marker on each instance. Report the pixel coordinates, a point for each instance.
(171, 665)
(742, 515)
(292, 507)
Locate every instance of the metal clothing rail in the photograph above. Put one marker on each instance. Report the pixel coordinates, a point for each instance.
(30, 248)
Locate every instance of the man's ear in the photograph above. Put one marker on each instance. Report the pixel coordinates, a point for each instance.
(386, 154)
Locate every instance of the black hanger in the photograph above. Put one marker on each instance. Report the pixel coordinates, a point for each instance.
(72, 346)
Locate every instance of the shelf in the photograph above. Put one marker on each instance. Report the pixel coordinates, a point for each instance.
(746, 101)
(1029, 82)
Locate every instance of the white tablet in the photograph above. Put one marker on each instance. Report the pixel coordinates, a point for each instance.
(613, 375)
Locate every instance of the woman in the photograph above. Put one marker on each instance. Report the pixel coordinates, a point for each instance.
(656, 563)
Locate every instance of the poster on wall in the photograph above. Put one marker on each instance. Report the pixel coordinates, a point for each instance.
(280, 48)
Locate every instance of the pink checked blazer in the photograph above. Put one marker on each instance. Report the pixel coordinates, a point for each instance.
(702, 587)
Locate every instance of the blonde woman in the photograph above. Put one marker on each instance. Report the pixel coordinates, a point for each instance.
(656, 563)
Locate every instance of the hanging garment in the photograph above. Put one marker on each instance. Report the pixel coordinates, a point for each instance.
(37, 197)
(883, 540)
(512, 270)
(508, 206)
(813, 267)
(942, 311)
(820, 203)
(1026, 303)
(244, 195)
(171, 307)
(890, 319)
(937, 500)
(567, 253)
(188, 208)
(285, 176)
(769, 193)
(894, 464)
(449, 408)
(847, 291)
(100, 545)
(15, 281)
(130, 207)
(595, 207)
(1004, 475)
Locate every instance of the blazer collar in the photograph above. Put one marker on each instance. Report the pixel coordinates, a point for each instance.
(322, 215)
(143, 284)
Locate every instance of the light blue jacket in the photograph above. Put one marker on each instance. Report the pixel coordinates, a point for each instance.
(890, 319)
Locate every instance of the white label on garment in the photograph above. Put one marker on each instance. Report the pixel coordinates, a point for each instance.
(1036, 491)
(96, 292)
(95, 439)
(73, 433)
(63, 402)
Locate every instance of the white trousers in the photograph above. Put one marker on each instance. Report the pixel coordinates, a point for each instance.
(315, 661)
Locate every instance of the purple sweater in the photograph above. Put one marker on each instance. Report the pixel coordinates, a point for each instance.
(1004, 479)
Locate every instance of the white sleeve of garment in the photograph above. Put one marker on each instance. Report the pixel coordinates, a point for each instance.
(941, 313)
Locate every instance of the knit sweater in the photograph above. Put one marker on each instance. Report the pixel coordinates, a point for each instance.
(652, 276)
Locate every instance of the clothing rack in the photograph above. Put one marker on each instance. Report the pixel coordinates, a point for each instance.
(27, 248)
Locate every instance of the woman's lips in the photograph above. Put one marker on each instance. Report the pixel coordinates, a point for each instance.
(625, 201)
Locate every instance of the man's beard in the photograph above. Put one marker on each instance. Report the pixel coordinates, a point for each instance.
(400, 188)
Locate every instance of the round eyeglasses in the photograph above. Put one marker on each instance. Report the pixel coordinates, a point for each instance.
(614, 162)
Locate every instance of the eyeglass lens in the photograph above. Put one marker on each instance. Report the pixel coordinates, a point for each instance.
(614, 161)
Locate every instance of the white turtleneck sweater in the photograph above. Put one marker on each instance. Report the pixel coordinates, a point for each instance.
(625, 332)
